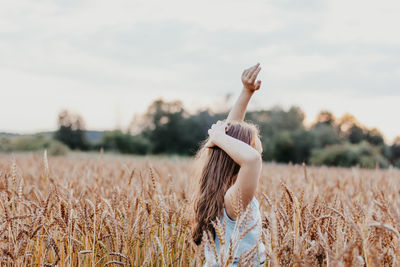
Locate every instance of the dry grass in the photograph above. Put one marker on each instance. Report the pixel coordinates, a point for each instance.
(94, 211)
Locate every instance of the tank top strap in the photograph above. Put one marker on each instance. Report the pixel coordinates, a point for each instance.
(227, 218)
(254, 203)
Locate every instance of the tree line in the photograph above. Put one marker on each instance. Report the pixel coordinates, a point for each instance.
(167, 128)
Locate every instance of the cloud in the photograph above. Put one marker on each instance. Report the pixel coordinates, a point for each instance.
(126, 53)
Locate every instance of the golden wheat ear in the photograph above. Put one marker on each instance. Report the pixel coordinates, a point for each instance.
(220, 230)
(237, 204)
(209, 241)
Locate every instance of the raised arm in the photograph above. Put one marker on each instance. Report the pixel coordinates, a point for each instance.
(250, 85)
(247, 157)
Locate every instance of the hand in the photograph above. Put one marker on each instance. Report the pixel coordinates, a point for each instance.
(216, 129)
(249, 77)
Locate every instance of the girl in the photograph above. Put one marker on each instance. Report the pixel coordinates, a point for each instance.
(231, 164)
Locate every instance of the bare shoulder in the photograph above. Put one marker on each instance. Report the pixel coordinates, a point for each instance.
(231, 203)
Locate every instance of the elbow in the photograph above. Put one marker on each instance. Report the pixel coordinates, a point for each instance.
(254, 160)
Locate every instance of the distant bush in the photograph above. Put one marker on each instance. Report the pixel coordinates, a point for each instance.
(125, 143)
(397, 164)
(57, 148)
(33, 143)
(28, 143)
(346, 155)
(5, 144)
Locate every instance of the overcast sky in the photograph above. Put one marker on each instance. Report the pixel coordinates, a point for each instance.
(110, 59)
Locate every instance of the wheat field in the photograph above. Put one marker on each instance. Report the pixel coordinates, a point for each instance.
(101, 210)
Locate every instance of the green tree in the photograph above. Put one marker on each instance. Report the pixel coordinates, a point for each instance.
(275, 126)
(196, 128)
(293, 146)
(125, 143)
(325, 135)
(374, 137)
(304, 142)
(283, 147)
(395, 152)
(356, 134)
(166, 128)
(71, 130)
(325, 118)
(353, 131)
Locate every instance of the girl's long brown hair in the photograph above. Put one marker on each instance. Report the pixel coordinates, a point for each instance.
(215, 178)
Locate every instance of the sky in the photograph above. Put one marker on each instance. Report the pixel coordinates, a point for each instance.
(108, 60)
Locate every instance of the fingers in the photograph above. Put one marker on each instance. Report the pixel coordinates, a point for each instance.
(218, 125)
(223, 124)
(212, 127)
(249, 76)
(252, 70)
(244, 74)
(248, 72)
(255, 67)
(254, 75)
